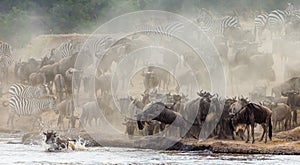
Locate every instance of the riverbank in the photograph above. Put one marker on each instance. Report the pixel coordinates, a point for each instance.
(283, 143)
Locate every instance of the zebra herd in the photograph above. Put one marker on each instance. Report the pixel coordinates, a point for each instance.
(28, 100)
(276, 21)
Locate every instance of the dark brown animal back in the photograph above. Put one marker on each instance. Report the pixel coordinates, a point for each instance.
(260, 112)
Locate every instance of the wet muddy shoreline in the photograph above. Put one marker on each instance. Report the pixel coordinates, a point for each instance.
(281, 144)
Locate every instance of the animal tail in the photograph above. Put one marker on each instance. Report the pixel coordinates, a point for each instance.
(270, 129)
(5, 103)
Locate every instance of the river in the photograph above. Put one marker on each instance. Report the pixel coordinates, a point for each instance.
(37, 154)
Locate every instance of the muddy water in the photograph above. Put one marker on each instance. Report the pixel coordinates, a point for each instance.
(37, 154)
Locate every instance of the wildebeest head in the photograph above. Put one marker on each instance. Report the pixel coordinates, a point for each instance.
(50, 137)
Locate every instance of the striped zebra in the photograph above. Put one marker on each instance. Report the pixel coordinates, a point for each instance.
(278, 19)
(260, 23)
(6, 59)
(29, 107)
(27, 91)
(65, 49)
(216, 26)
(97, 45)
(162, 31)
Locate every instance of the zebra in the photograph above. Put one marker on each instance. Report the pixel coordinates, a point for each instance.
(278, 19)
(260, 23)
(216, 26)
(97, 45)
(167, 30)
(65, 49)
(29, 107)
(27, 91)
(6, 59)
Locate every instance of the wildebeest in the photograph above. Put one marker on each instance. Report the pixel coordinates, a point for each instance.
(291, 84)
(90, 112)
(159, 112)
(135, 107)
(37, 78)
(50, 71)
(251, 114)
(238, 104)
(60, 86)
(24, 69)
(66, 110)
(57, 143)
(103, 82)
(281, 113)
(293, 101)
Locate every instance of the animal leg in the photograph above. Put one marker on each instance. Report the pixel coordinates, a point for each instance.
(263, 134)
(248, 133)
(10, 120)
(252, 132)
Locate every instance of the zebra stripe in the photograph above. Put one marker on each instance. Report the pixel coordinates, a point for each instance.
(5, 49)
(167, 30)
(65, 49)
(27, 91)
(6, 57)
(96, 46)
(216, 26)
(24, 106)
(278, 18)
(260, 21)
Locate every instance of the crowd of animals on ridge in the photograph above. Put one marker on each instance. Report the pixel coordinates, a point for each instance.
(37, 81)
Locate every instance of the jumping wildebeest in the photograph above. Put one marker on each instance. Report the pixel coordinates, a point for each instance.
(57, 143)
(136, 106)
(251, 114)
(159, 112)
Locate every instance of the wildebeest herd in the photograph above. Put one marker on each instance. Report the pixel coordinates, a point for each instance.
(52, 82)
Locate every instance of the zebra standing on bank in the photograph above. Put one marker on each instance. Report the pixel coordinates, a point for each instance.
(27, 91)
(260, 23)
(216, 26)
(278, 19)
(6, 59)
(29, 107)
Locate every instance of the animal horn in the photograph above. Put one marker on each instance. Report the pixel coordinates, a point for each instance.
(131, 98)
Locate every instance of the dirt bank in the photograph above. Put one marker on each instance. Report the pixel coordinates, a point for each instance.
(280, 145)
